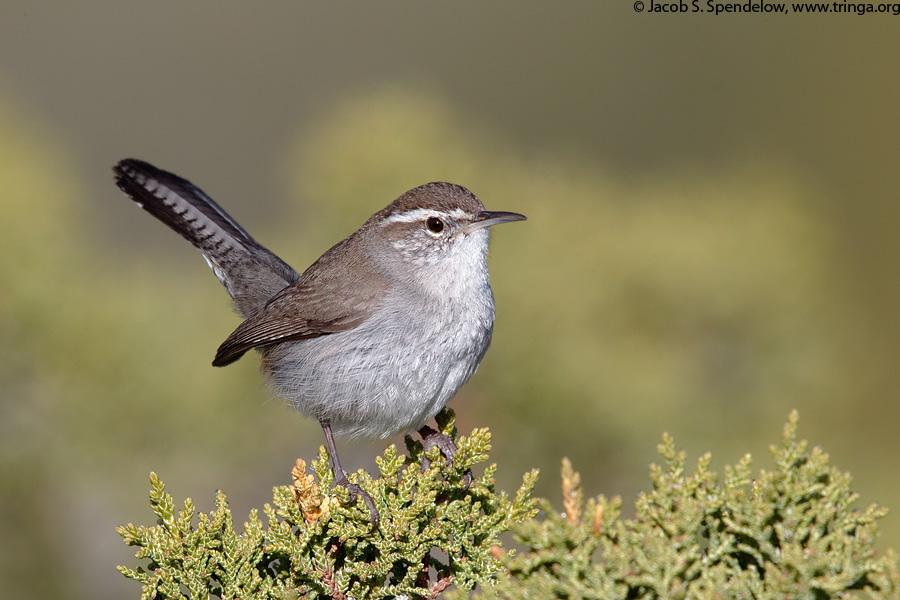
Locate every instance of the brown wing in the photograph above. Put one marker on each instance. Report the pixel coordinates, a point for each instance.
(335, 294)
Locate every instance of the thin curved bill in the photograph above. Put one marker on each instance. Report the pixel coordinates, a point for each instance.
(488, 218)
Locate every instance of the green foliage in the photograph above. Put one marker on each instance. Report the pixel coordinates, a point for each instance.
(317, 546)
(792, 532)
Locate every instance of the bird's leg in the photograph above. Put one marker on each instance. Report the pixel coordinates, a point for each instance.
(340, 478)
(430, 439)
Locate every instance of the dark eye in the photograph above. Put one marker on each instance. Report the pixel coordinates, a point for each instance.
(434, 224)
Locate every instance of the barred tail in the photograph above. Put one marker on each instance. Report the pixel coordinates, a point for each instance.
(251, 273)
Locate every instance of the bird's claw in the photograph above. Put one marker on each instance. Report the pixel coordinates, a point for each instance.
(356, 491)
(432, 438)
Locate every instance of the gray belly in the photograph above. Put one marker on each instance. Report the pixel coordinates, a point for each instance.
(384, 377)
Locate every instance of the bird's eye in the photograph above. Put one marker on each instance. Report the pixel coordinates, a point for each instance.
(434, 224)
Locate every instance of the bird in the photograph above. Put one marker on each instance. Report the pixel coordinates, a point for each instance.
(378, 334)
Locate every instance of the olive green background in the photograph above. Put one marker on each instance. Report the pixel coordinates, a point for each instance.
(712, 240)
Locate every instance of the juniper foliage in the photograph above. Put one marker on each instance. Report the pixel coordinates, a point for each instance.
(433, 532)
(790, 532)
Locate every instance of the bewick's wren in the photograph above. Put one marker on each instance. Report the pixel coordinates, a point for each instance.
(379, 333)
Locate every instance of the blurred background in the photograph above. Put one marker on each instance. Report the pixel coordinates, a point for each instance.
(712, 240)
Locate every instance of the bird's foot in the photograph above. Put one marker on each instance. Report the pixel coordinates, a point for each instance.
(430, 439)
(356, 491)
(340, 478)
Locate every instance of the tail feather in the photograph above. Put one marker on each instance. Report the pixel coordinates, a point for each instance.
(251, 273)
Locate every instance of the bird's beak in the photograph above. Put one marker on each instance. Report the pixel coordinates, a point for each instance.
(487, 218)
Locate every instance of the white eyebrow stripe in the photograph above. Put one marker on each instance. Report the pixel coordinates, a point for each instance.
(420, 214)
